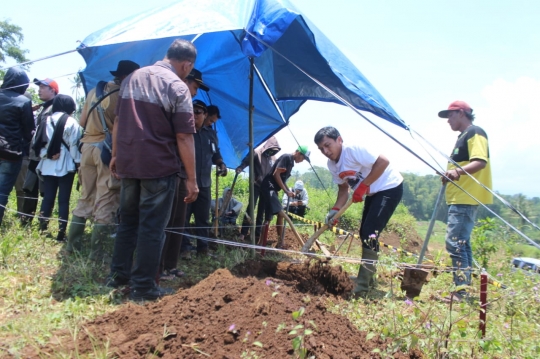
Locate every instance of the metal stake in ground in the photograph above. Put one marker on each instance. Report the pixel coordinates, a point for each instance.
(414, 278)
(282, 239)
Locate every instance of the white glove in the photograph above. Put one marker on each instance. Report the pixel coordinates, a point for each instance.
(329, 217)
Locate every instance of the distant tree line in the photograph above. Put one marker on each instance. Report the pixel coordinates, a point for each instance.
(420, 194)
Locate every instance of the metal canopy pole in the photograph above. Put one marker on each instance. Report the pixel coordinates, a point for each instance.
(251, 162)
(431, 223)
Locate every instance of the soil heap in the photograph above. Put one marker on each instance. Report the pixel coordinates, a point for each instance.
(234, 316)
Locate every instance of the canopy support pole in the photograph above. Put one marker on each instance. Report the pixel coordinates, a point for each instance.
(251, 161)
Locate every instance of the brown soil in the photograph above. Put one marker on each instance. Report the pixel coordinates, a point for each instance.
(224, 316)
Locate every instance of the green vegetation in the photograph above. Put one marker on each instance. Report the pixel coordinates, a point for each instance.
(43, 291)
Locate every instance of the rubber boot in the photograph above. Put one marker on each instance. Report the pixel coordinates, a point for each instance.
(365, 275)
(101, 233)
(75, 233)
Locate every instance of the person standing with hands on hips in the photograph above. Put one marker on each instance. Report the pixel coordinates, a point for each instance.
(373, 181)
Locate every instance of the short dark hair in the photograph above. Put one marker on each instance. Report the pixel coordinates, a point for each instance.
(329, 131)
(213, 110)
(182, 50)
(469, 115)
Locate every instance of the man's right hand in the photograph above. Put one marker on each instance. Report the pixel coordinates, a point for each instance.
(239, 170)
(330, 217)
(192, 191)
(112, 167)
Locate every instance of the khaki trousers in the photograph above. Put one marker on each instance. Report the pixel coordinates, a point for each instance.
(100, 191)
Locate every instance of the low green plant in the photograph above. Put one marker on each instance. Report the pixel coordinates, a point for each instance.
(483, 241)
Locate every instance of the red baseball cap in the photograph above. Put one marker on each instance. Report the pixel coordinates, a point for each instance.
(456, 105)
(48, 82)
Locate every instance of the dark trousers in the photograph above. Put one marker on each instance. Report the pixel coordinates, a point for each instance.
(145, 209)
(260, 213)
(62, 186)
(9, 170)
(378, 209)
(30, 201)
(173, 241)
(201, 210)
(298, 210)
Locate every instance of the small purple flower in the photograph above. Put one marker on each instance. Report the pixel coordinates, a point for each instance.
(499, 274)
(428, 325)
(506, 325)
(231, 328)
(408, 301)
(248, 333)
(372, 236)
(535, 289)
(268, 282)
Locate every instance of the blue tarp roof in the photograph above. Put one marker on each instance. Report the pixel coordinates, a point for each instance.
(226, 33)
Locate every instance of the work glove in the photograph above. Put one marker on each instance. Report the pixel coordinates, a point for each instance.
(330, 217)
(360, 193)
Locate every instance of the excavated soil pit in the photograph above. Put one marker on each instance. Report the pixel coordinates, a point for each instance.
(227, 316)
(312, 276)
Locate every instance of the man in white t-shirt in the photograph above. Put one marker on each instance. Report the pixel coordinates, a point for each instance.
(373, 180)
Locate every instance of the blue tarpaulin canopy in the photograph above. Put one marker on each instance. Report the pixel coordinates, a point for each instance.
(288, 51)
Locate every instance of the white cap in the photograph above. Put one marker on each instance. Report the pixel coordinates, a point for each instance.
(299, 185)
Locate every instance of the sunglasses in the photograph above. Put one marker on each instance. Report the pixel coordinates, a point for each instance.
(198, 112)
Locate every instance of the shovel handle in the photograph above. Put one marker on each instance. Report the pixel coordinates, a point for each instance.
(317, 234)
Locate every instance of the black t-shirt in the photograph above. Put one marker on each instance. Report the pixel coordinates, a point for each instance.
(285, 161)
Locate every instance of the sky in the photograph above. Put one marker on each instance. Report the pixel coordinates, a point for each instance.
(420, 55)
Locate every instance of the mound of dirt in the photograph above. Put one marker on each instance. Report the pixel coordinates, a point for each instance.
(226, 316)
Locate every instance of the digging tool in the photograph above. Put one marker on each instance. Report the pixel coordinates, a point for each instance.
(227, 199)
(291, 224)
(216, 213)
(414, 278)
(282, 239)
(317, 234)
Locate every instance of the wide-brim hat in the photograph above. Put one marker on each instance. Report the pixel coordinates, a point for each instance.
(196, 76)
(124, 68)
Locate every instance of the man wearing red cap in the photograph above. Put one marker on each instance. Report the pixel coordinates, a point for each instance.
(469, 163)
(47, 91)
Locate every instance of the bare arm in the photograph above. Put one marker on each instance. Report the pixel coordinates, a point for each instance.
(112, 165)
(280, 183)
(343, 195)
(474, 166)
(186, 148)
(377, 170)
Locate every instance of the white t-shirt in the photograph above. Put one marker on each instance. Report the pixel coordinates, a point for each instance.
(355, 164)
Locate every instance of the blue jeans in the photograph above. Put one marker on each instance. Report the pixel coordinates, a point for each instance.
(9, 170)
(53, 185)
(461, 218)
(145, 208)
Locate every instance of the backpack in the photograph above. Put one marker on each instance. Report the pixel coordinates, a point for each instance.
(106, 145)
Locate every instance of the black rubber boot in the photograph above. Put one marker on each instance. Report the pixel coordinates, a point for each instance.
(364, 281)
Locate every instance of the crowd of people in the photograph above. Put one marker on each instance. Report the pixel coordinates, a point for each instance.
(144, 151)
